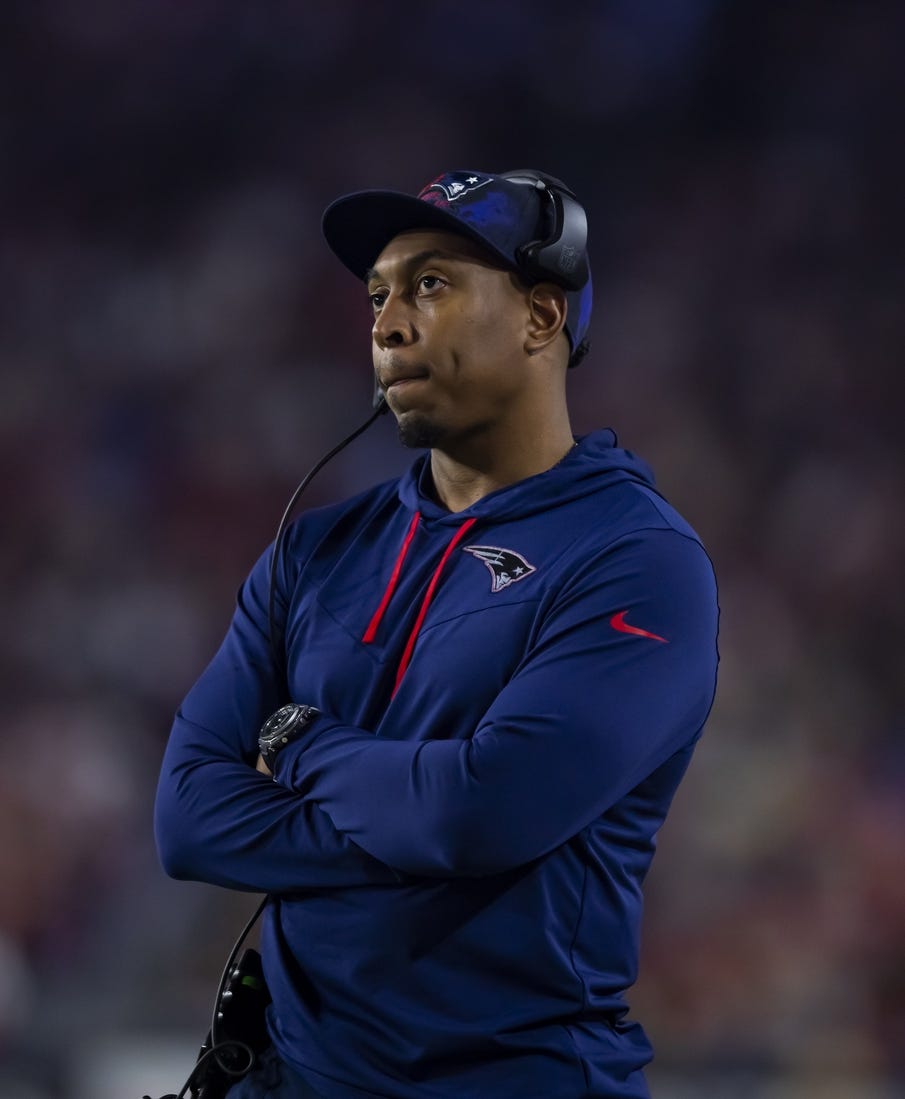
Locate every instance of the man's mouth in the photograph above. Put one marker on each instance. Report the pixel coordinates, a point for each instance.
(397, 379)
(401, 383)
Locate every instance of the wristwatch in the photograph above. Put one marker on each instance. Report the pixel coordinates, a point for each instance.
(282, 728)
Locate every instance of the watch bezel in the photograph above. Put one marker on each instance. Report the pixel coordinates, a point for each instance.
(282, 727)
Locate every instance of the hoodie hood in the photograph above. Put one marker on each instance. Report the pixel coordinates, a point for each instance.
(593, 464)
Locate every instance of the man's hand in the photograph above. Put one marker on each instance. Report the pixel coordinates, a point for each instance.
(263, 768)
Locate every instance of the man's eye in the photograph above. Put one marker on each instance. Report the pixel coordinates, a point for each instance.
(377, 299)
(430, 282)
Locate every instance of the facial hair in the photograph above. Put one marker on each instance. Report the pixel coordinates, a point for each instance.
(419, 433)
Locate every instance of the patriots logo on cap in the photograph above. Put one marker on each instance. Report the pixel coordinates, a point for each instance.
(454, 185)
(506, 566)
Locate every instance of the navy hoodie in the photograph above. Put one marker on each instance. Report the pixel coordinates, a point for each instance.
(454, 851)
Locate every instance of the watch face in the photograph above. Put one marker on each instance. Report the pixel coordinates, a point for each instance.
(281, 721)
(282, 727)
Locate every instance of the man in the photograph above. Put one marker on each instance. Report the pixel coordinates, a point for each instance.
(500, 665)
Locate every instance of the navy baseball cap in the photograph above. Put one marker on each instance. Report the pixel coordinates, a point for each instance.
(530, 221)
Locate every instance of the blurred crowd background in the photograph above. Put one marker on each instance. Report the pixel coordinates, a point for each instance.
(178, 346)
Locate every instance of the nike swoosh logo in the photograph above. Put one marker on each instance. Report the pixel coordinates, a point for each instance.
(619, 623)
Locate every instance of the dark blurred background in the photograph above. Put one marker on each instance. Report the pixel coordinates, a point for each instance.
(178, 346)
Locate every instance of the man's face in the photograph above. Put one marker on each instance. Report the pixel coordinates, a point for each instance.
(448, 337)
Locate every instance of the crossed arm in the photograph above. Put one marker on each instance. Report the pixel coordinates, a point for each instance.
(589, 714)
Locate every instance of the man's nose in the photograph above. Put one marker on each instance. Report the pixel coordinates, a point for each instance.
(393, 324)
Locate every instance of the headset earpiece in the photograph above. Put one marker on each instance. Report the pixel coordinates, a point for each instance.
(561, 255)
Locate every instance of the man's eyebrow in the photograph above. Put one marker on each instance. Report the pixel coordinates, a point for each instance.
(420, 258)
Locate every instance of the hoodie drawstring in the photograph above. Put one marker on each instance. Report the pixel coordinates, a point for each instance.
(371, 632)
(426, 601)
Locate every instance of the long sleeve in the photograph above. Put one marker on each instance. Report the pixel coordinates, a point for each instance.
(619, 677)
(219, 820)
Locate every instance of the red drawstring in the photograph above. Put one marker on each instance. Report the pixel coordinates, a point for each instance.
(371, 632)
(425, 603)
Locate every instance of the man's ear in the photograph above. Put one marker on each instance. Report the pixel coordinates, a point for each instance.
(547, 316)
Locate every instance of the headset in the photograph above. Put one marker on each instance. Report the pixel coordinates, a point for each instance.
(561, 255)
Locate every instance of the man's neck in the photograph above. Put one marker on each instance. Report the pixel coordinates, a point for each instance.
(461, 480)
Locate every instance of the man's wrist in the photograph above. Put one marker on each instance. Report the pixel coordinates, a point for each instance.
(282, 728)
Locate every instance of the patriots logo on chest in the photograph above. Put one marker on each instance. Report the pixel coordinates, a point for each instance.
(505, 565)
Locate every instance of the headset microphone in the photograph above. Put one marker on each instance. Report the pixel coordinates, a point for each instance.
(378, 401)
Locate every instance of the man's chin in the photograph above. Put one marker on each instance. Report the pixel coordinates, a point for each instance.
(418, 432)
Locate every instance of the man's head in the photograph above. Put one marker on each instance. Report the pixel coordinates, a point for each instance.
(481, 295)
(530, 221)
